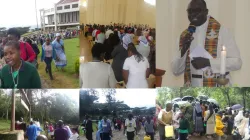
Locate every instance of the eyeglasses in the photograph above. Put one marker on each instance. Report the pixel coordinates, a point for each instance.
(197, 10)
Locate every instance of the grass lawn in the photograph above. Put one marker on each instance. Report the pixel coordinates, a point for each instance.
(68, 78)
(4, 125)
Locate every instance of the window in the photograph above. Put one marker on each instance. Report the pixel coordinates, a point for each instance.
(66, 6)
(59, 8)
(68, 17)
(61, 18)
(74, 5)
(77, 16)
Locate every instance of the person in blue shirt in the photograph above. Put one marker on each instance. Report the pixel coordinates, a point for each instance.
(99, 132)
(106, 129)
(32, 131)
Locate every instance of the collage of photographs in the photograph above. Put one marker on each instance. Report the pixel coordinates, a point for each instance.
(124, 70)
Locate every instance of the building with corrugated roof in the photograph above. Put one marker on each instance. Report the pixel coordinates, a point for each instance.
(64, 14)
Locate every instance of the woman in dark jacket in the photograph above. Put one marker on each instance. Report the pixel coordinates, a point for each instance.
(119, 54)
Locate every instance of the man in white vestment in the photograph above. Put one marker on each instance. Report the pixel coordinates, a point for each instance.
(199, 49)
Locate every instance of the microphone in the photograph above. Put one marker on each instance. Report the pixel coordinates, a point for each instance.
(191, 29)
(186, 44)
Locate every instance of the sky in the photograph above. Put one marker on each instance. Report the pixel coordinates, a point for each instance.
(71, 93)
(133, 97)
(22, 12)
(15, 13)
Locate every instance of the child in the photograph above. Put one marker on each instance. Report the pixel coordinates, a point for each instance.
(184, 127)
(18, 73)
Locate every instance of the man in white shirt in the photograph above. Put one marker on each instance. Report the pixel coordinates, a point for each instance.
(130, 127)
(108, 32)
(97, 74)
(205, 32)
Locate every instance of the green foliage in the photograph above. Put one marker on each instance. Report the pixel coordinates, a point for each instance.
(4, 125)
(23, 30)
(77, 65)
(224, 96)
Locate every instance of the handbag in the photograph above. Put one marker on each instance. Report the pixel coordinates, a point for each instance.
(147, 137)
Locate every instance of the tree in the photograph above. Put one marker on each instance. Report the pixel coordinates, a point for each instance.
(87, 99)
(225, 96)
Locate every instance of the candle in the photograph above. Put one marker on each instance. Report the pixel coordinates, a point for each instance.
(223, 61)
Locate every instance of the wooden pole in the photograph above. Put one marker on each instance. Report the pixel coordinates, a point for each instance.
(13, 111)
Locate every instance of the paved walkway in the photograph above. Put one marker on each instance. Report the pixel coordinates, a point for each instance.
(85, 48)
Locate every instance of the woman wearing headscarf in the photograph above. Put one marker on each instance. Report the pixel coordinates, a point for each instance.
(135, 69)
(197, 117)
(143, 48)
(58, 43)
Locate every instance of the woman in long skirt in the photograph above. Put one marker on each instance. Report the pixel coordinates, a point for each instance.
(61, 62)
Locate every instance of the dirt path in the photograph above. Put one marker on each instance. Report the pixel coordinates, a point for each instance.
(118, 135)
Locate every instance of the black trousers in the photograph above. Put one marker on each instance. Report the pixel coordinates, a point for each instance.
(130, 135)
(89, 135)
(183, 136)
(48, 61)
(105, 136)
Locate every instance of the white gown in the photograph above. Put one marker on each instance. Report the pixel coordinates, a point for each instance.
(233, 61)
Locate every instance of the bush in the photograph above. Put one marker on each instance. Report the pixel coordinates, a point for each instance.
(77, 65)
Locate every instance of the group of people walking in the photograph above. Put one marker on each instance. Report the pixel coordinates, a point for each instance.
(131, 126)
(132, 62)
(19, 62)
(58, 131)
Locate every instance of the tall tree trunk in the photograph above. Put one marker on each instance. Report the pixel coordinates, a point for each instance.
(13, 110)
(181, 93)
(244, 99)
(227, 94)
(7, 114)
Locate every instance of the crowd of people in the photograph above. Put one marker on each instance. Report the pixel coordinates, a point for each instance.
(202, 119)
(129, 127)
(131, 49)
(19, 58)
(57, 131)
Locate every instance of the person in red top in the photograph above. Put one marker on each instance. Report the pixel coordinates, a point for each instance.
(97, 32)
(27, 52)
(119, 124)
